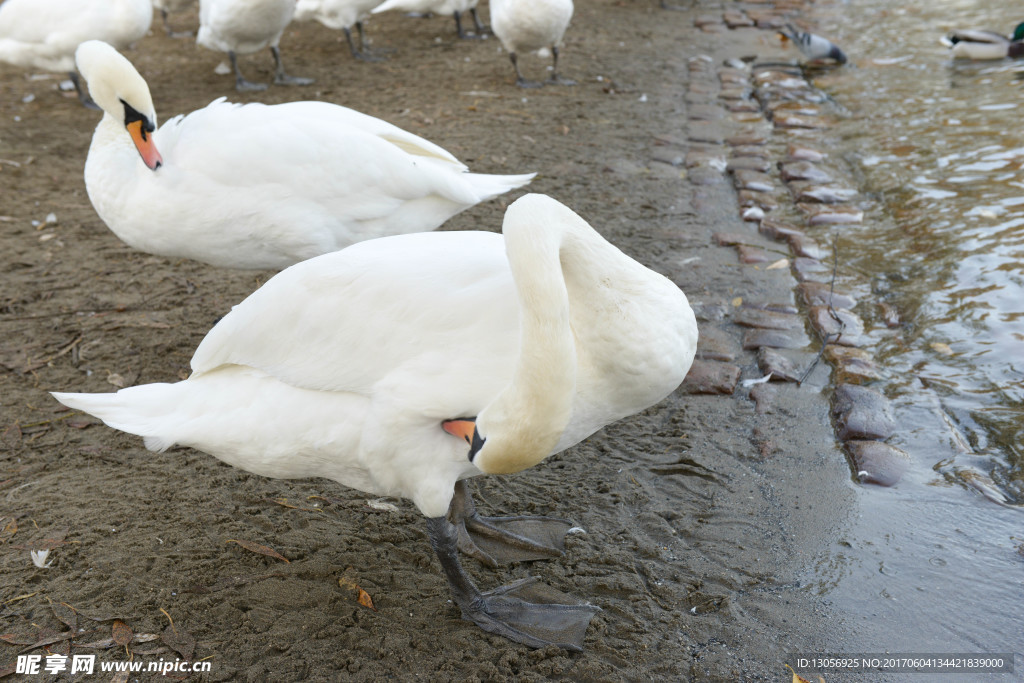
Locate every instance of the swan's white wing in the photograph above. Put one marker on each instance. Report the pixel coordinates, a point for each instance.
(429, 319)
(329, 152)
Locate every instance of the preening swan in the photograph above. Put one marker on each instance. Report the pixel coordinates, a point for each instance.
(529, 25)
(257, 186)
(240, 27)
(456, 8)
(43, 34)
(403, 365)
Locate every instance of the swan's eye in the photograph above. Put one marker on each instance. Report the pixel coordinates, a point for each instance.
(131, 115)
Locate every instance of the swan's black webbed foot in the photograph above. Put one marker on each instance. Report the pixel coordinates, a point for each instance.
(524, 611)
(496, 541)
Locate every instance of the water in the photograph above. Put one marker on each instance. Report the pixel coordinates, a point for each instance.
(937, 562)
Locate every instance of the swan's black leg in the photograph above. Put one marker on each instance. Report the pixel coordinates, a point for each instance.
(524, 611)
(364, 53)
(520, 81)
(280, 77)
(463, 34)
(241, 84)
(82, 96)
(555, 79)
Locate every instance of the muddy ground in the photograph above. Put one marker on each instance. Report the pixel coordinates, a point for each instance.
(703, 519)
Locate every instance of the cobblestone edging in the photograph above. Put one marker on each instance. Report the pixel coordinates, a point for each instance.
(758, 123)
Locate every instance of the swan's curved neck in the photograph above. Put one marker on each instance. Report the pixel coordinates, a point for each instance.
(524, 423)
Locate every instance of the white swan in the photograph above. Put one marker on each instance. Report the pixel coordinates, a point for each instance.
(43, 34)
(257, 186)
(240, 27)
(456, 8)
(173, 7)
(530, 25)
(353, 366)
(340, 14)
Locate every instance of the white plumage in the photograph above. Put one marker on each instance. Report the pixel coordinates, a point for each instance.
(530, 25)
(339, 15)
(455, 8)
(43, 34)
(240, 27)
(354, 366)
(257, 186)
(345, 366)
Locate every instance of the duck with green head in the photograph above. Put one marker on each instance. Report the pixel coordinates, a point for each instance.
(975, 44)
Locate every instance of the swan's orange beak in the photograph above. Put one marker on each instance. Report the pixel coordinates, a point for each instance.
(461, 428)
(144, 143)
(465, 428)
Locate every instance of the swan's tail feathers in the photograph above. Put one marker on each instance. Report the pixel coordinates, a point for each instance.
(490, 186)
(143, 410)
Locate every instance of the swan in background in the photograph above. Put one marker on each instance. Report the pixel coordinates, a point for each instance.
(43, 34)
(530, 25)
(240, 27)
(816, 48)
(341, 14)
(257, 186)
(975, 44)
(404, 365)
(173, 7)
(456, 8)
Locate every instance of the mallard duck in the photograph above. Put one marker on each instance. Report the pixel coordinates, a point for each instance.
(405, 365)
(975, 44)
(257, 186)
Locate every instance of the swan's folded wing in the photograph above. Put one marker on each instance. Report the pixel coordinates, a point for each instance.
(426, 303)
(408, 142)
(339, 157)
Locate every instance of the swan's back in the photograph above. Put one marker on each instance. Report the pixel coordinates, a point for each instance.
(386, 314)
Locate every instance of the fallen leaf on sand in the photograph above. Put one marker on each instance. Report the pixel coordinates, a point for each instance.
(261, 549)
(122, 633)
(362, 597)
(797, 678)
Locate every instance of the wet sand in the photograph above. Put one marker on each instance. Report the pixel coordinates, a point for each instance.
(703, 518)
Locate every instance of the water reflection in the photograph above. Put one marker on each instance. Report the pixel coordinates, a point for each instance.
(940, 145)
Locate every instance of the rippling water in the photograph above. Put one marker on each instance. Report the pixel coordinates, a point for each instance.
(939, 148)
